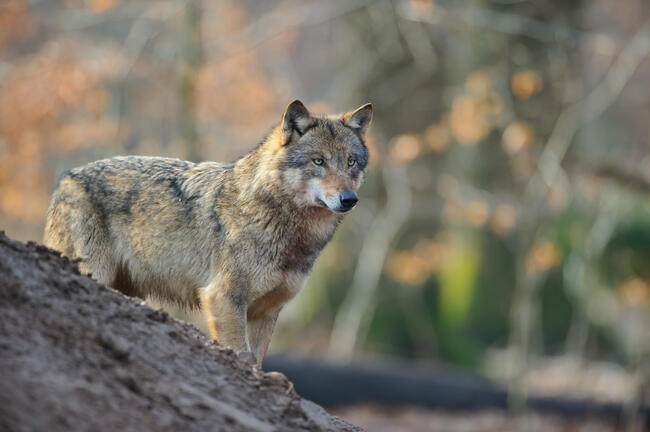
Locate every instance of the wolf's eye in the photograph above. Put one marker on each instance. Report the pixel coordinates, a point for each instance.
(351, 162)
(319, 161)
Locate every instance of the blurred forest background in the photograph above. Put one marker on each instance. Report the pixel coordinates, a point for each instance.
(505, 224)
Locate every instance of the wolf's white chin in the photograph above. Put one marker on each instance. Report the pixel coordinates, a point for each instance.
(323, 205)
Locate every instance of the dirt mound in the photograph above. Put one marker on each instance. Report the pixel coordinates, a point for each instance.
(75, 355)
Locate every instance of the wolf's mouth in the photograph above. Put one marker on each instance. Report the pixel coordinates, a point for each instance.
(339, 210)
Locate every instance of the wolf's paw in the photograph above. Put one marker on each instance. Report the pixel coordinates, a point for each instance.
(248, 357)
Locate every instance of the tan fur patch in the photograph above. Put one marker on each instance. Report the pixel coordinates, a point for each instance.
(269, 302)
(332, 184)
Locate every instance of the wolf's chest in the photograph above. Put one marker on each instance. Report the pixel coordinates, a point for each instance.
(302, 247)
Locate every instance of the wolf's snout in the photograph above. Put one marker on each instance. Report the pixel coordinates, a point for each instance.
(348, 200)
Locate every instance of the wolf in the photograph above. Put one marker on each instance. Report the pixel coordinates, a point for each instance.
(235, 240)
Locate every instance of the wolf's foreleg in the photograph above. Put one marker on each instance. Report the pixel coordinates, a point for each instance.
(260, 329)
(225, 315)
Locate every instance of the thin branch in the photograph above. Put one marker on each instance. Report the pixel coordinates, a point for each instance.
(447, 12)
(278, 22)
(627, 176)
(192, 56)
(147, 26)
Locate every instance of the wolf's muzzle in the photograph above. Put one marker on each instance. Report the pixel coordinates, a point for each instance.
(348, 200)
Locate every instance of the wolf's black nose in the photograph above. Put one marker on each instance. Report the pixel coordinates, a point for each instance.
(348, 199)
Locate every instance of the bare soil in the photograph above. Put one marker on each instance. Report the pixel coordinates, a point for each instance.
(75, 355)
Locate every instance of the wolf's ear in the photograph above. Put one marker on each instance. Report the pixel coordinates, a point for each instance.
(360, 118)
(296, 118)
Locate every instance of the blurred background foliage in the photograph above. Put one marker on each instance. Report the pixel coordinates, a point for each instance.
(505, 223)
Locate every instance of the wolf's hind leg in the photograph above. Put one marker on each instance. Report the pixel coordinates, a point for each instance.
(76, 227)
(57, 233)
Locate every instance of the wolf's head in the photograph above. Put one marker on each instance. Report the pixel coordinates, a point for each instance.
(321, 160)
